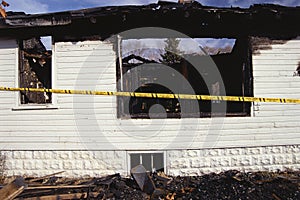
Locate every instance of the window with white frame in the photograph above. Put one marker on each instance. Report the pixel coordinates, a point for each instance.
(35, 68)
(151, 161)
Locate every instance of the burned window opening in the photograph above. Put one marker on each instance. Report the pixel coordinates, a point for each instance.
(148, 108)
(233, 62)
(35, 70)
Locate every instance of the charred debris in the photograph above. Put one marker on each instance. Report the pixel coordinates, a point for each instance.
(226, 185)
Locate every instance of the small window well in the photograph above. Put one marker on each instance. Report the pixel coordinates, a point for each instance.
(151, 161)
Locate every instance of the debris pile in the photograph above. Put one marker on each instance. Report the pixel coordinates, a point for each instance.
(226, 185)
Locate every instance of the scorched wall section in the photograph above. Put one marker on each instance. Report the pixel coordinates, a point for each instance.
(77, 123)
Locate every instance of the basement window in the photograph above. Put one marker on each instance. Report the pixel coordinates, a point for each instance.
(151, 161)
(35, 69)
(141, 68)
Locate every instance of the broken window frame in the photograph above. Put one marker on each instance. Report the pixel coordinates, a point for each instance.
(146, 153)
(30, 105)
(246, 87)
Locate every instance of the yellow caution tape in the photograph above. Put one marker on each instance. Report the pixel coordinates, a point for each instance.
(158, 95)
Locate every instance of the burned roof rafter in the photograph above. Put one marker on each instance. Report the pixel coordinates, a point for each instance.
(192, 19)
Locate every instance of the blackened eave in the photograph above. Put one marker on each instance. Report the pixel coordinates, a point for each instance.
(193, 19)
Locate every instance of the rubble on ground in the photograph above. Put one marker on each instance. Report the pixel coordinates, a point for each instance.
(226, 185)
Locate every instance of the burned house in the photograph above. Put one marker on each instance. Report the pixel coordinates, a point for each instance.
(96, 135)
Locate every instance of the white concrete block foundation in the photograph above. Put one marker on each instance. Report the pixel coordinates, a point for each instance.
(178, 162)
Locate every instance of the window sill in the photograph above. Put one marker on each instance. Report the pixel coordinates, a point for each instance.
(35, 107)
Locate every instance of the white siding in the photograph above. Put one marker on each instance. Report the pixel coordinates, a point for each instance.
(90, 122)
(274, 76)
(273, 71)
(8, 64)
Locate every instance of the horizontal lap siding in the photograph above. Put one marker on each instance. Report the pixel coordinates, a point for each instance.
(274, 70)
(90, 122)
(89, 65)
(96, 119)
(86, 65)
(274, 76)
(8, 64)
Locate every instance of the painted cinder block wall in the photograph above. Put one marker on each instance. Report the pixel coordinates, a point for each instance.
(83, 136)
(179, 162)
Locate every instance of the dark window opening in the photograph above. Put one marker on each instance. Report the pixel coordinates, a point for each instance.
(35, 69)
(153, 108)
(231, 56)
(151, 161)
